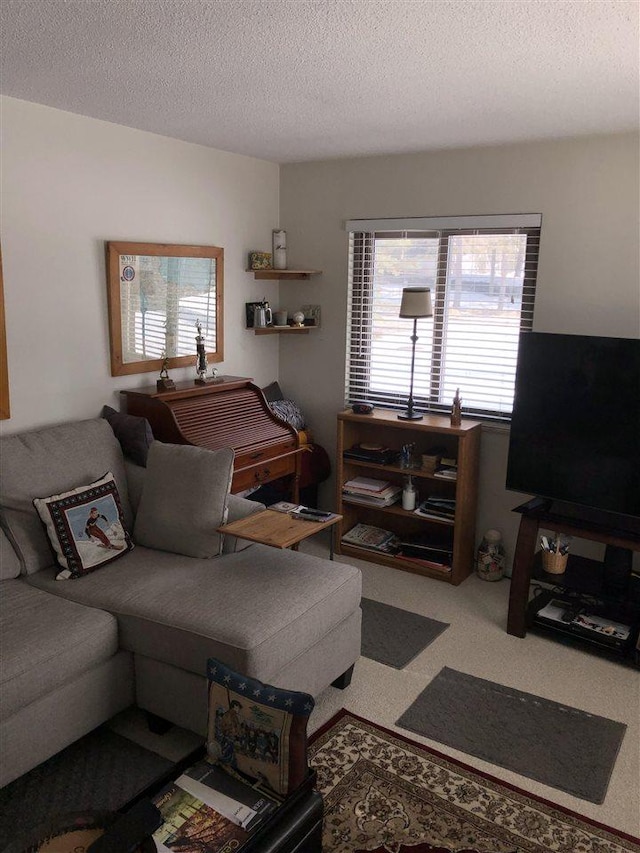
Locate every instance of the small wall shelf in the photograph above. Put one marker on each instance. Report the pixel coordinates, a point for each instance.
(283, 275)
(285, 330)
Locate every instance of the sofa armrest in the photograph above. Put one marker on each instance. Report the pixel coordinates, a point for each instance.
(238, 508)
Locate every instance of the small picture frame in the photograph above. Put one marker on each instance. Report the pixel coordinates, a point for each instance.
(260, 260)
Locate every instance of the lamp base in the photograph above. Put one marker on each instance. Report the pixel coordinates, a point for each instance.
(410, 416)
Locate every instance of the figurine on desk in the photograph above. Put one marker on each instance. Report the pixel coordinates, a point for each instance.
(165, 383)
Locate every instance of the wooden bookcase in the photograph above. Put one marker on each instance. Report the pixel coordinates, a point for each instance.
(384, 427)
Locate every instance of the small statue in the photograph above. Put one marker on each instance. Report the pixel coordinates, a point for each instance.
(165, 383)
(201, 360)
(456, 409)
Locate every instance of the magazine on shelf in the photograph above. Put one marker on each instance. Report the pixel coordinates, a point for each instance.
(436, 507)
(191, 826)
(373, 538)
(446, 473)
(232, 797)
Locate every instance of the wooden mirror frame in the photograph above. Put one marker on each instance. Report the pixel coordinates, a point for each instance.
(114, 250)
(5, 411)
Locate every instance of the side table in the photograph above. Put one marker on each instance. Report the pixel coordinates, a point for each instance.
(278, 529)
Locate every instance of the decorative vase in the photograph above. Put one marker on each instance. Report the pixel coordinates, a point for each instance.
(279, 250)
(490, 559)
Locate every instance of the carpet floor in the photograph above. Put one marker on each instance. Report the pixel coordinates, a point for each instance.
(560, 746)
(394, 636)
(99, 773)
(386, 794)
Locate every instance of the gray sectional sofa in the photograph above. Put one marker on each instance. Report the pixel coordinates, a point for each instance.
(140, 629)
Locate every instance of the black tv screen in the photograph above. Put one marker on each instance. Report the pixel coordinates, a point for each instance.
(575, 429)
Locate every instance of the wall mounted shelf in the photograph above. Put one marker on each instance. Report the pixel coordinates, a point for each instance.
(285, 330)
(283, 275)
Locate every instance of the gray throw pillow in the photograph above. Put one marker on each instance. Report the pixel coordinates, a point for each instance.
(272, 392)
(184, 499)
(133, 433)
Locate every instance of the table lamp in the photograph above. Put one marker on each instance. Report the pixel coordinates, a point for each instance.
(416, 304)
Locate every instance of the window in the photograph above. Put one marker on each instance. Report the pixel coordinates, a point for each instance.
(481, 271)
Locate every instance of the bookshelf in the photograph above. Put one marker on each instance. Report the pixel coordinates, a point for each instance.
(383, 427)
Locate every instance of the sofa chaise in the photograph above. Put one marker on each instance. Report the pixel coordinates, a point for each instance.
(141, 628)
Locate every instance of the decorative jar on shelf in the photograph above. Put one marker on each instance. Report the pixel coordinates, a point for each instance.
(490, 559)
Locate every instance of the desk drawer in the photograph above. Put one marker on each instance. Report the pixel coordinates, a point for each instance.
(264, 472)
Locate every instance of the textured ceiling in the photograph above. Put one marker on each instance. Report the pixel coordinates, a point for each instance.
(293, 80)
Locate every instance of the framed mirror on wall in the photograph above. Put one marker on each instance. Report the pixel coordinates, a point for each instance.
(5, 411)
(157, 294)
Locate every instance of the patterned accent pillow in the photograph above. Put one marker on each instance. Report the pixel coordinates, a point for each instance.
(288, 411)
(85, 527)
(258, 729)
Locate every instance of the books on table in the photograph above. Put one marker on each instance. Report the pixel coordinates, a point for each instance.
(190, 824)
(210, 809)
(234, 799)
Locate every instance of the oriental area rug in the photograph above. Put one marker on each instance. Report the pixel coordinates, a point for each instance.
(386, 794)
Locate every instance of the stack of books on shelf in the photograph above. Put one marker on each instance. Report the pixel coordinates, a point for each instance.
(377, 453)
(210, 809)
(370, 492)
(447, 469)
(438, 508)
(372, 538)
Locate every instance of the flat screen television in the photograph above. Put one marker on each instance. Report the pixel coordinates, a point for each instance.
(575, 428)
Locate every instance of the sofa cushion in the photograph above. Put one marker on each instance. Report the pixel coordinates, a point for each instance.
(183, 499)
(133, 433)
(256, 728)
(9, 562)
(85, 527)
(47, 641)
(251, 609)
(48, 461)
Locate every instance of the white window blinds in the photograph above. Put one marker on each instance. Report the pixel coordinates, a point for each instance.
(482, 282)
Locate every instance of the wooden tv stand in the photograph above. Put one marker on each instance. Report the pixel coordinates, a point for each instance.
(582, 576)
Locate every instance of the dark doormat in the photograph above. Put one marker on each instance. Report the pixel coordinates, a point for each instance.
(393, 636)
(100, 772)
(559, 746)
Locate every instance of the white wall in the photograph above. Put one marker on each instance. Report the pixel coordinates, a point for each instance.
(71, 183)
(587, 192)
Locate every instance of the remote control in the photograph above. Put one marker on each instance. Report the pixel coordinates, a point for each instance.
(319, 513)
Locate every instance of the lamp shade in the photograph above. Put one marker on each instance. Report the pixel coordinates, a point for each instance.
(416, 302)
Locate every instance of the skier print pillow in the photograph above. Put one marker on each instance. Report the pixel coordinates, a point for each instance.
(85, 527)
